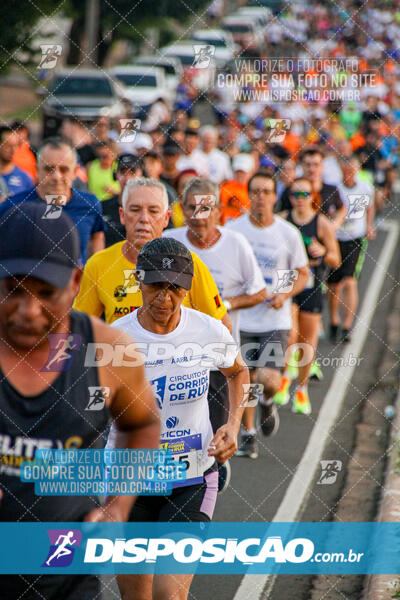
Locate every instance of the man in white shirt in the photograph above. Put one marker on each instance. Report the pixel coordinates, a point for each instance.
(232, 263)
(218, 162)
(358, 227)
(193, 158)
(265, 328)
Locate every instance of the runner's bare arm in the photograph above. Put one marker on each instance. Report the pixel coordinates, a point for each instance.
(247, 300)
(226, 320)
(340, 217)
(132, 406)
(277, 300)
(370, 221)
(326, 233)
(224, 443)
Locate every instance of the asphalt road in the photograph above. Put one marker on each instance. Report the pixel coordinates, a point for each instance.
(258, 486)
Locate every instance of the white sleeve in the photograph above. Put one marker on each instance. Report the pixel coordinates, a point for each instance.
(298, 254)
(228, 169)
(253, 279)
(222, 350)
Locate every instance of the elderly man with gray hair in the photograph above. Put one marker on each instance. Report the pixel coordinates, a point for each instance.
(232, 263)
(56, 169)
(218, 162)
(108, 283)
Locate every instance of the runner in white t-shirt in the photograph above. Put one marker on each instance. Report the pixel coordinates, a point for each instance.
(280, 252)
(218, 162)
(358, 227)
(231, 260)
(179, 347)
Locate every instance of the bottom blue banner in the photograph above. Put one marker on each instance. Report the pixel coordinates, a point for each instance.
(213, 548)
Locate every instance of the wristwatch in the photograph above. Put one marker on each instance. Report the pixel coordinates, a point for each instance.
(228, 305)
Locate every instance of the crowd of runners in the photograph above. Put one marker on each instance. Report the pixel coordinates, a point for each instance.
(188, 237)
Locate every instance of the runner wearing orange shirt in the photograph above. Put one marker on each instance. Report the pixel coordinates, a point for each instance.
(234, 198)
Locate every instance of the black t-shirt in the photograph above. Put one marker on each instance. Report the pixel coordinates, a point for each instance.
(330, 200)
(369, 156)
(86, 154)
(115, 230)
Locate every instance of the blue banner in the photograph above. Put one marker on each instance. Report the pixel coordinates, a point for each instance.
(203, 548)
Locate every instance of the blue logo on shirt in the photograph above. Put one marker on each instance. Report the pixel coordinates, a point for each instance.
(158, 387)
(172, 422)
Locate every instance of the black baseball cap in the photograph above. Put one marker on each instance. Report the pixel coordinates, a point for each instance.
(165, 259)
(34, 243)
(128, 161)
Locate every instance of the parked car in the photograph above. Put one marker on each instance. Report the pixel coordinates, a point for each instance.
(144, 85)
(245, 32)
(172, 67)
(202, 78)
(260, 14)
(83, 93)
(225, 47)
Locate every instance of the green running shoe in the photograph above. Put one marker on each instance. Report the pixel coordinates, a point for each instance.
(282, 397)
(316, 371)
(301, 403)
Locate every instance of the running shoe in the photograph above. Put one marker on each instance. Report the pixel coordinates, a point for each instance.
(316, 371)
(224, 476)
(334, 333)
(301, 403)
(269, 417)
(282, 397)
(346, 336)
(248, 446)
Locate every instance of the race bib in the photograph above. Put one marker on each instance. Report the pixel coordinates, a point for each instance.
(187, 451)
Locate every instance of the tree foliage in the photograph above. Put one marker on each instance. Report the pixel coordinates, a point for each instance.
(119, 19)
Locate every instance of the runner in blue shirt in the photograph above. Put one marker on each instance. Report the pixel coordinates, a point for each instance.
(16, 179)
(56, 172)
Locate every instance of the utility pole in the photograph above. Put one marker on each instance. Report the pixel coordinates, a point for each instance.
(92, 15)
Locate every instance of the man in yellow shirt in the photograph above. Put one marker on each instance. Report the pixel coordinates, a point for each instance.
(108, 283)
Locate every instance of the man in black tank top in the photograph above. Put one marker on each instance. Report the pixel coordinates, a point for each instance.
(46, 389)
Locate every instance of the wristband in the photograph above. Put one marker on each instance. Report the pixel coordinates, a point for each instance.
(228, 305)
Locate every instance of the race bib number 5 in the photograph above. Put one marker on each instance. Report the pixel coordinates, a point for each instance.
(187, 451)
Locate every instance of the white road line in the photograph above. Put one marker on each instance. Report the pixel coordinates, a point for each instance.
(252, 586)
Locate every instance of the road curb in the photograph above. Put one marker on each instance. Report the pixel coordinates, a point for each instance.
(381, 587)
(371, 487)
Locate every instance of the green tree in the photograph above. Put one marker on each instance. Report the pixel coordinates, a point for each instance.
(128, 19)
(18, 20)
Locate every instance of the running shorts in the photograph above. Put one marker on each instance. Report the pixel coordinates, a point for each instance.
(353, 256)
(310, 300)
(264, 349)
(185, 504)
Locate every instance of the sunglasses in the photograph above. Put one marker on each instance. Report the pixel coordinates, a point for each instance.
(300, 194)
